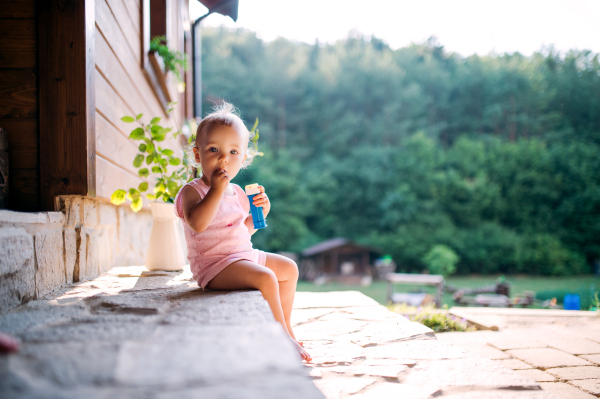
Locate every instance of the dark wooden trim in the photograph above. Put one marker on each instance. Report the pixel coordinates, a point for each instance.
(159, 74)
(66, 99)
(153, 74)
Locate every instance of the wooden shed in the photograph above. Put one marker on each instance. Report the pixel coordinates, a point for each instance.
(338, 257)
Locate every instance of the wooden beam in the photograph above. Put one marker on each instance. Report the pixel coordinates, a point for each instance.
(66, 99)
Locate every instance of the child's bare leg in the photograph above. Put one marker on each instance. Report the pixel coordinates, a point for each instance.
(244, 274)
(287, 274)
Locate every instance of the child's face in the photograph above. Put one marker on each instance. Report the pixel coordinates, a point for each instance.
(223, 147)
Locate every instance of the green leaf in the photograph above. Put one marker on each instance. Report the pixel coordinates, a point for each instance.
(149, 159)
(143, 172)
(143, 186)
(118, 197)
(151, 196)
(156, 169)
(137, 134)
(133, 193)
(142, 147)
(159, 187)
(167, 152)
(127, 119)
(172, 188)
(159, 194)
(155, 129)
(174, 161)
(158, 137)
(150, 147)
(164, 162)
(136, 205)
(255, 125)
(138, 117)
(137, 162)
(154, 121)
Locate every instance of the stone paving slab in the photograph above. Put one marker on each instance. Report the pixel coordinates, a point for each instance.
(487, 351)
(392, 357)
(541, 340)
(537, 375)
(565, 391)
(591, 386)
(566, 343)
(547, 357)
(515, 364)
(150, 335)
(592, 358)
(575, 373)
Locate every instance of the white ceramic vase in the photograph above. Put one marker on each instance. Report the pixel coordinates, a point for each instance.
(165, 251)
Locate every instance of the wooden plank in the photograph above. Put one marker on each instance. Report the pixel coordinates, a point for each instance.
(135, 14)
(17, 34)
(123, 22)
(17, 9)
(116, 75)
(26, 59)
(22, 142)
(66, 37)
(111, 178)
(18, 94)
(113, 146)
(24, 190)
(110, 105)
(18, 43)
(117, 41)
(112, 108)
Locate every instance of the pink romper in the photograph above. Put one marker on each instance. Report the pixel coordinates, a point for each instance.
(225, 240)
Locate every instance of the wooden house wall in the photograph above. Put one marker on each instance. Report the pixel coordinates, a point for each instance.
(19, 100)
(122, 89)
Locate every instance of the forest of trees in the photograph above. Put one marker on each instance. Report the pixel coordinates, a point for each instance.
(495, 157)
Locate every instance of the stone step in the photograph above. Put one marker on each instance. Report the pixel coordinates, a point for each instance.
(156, 336)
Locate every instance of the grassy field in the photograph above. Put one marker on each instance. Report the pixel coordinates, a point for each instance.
(545, 287)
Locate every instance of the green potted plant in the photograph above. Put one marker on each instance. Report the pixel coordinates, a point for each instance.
(165, 250)
(172, 60)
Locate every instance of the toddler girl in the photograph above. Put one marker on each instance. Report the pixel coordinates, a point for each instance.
(218, 225)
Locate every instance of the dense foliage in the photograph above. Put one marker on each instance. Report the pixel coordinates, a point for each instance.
(495, 157)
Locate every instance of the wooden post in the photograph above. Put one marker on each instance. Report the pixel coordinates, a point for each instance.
(438, 296)
(66, 99)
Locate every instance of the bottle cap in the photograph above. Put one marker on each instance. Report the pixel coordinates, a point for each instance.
(252, 189)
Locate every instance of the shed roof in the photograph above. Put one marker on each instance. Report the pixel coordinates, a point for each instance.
(335, 243)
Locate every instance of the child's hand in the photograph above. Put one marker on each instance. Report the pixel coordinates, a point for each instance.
(262, 200)
(219, 180)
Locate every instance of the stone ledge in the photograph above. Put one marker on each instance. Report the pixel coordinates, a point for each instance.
(130, 333)
(85, 238)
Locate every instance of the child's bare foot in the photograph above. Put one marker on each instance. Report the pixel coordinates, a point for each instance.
(304, 354)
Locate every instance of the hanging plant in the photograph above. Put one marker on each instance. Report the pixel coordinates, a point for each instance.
(172, 59)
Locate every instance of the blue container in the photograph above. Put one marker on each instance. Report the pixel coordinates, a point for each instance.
(258, 217)
(572, 302)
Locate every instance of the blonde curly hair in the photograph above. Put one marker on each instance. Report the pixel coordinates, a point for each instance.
(224, 114)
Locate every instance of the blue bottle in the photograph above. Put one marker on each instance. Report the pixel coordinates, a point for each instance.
(257, 212)
(572, 302)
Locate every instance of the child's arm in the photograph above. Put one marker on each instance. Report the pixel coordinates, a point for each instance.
(199, 212)
(259, 200)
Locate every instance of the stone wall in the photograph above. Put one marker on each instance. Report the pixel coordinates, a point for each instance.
(40, 252)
